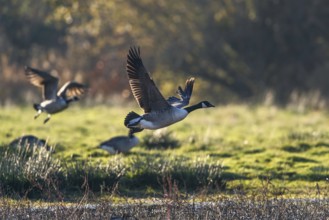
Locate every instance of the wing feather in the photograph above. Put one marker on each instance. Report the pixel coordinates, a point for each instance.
(142, 86)
(71, 89)
(185, 95)
(43, 79)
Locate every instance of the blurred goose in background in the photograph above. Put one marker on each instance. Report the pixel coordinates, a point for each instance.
(184, 95)
(28, 141)
(158, 112)
(53, 101)
(120, 144)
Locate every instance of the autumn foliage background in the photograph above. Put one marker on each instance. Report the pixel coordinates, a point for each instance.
(238, 50)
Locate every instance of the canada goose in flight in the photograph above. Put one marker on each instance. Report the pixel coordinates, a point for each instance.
(120, 144)
(184, 95)
(53, 101)
(158, 112)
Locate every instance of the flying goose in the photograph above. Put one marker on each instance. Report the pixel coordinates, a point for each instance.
(53, 101)
(120, 144)
(158, 112)
(184, 95)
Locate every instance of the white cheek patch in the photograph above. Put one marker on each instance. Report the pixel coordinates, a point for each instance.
(204, 105)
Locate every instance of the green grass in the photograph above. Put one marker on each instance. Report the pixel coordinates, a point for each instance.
(253, 146)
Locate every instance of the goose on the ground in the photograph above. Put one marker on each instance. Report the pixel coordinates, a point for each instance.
(120, 144)
(158, 112)
(53, 101)
(28, 141)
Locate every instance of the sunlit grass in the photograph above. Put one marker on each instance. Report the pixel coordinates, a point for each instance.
(253, 144)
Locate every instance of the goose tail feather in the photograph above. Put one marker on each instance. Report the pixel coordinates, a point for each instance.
(132, 120)
(36, 107)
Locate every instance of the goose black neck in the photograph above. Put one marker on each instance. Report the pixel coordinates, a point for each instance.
(68, 100)
(193, 107)
(73, 99)
(131, 133)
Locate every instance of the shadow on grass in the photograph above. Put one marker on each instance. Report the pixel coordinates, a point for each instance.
(297, 149)
(254, 151)
(294, 176)
(221, 155)
(303, 147)
(296, 159)
(322, 144)
(229, 176)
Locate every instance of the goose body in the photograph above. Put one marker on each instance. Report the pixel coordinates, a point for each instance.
(28, 141)
(120, 144)
(156, 120)
(158, 112)
(53, 106)
(53, 101)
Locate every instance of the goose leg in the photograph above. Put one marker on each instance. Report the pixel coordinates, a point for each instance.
(47, 119)
(37, 114)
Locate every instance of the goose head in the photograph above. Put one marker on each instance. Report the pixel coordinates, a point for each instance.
(203, 104)
(206, 104)
(75, 98)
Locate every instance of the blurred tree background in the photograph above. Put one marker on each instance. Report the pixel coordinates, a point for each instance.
(238, 50)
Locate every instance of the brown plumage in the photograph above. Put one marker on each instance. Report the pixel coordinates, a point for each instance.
(142, 86)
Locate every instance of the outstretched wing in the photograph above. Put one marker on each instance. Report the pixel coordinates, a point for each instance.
(184, 95)
(71, 89)
(142, 86)
(43, 79)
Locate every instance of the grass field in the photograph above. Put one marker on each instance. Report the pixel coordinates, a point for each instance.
(225, 150)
